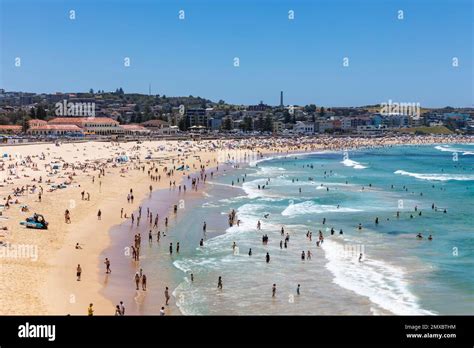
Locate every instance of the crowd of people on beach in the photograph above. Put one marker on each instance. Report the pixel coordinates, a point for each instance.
(19, 179)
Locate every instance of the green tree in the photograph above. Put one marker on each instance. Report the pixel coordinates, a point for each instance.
(268, 123)
(40, 112)
(227, 124)
(182, 124)
(322, 112)
(247, 124)
(25, 124)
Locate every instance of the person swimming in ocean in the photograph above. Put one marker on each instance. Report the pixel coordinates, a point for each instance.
(219, 283)
(419, 236)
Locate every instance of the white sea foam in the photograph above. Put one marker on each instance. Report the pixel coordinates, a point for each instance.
(209, 205)
(350, 163)
(268, 172)
(437, 176)
(299, 155)
(309, 207)
(252, 191)
(383, 283)
(448, 148)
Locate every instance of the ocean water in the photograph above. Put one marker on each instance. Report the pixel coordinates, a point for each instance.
(398, 273)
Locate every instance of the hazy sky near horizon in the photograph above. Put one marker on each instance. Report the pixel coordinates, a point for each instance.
(408, 60)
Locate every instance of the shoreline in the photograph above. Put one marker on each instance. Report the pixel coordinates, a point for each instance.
(375, 307)
(52, 277)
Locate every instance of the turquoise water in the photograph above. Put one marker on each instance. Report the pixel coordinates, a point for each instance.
(398, 274)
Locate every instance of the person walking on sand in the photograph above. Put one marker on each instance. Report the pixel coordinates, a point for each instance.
(219, 283)
(99, 215)
(67, 216)
(78, 272)
(137, 281)
(122, 308)
(121, 213)
(117, 311)
(144, 282)
(90, 310)
(162, 311)
(274, 289)
(167, 295)
(107, 266)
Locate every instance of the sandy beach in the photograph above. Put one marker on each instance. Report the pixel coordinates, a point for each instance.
(43, 280)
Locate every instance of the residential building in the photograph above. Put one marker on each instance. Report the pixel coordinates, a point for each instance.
(155, 125)
(278, 127)
(196, 117)
(135, 129)
(10, 129)
(346, 124)
(214, 123)
(55, 130)
(304, 127)
(371, 130)
(323, 126)
(90, 125)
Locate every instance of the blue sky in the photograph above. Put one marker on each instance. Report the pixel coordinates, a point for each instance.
(407, 60)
